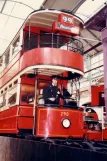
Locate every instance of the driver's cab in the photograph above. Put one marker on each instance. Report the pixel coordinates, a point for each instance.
(32, 86)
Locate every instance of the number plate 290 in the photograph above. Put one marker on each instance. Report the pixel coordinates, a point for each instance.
(64, 113)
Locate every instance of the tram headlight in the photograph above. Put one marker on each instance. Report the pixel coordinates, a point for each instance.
(66, 123)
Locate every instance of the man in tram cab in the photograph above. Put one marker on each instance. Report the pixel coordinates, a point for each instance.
(51, 93)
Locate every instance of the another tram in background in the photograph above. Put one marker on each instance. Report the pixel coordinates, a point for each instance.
(95, 115)
(46, 45)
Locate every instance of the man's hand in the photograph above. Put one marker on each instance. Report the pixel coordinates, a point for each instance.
(58, 92)
(51, 99)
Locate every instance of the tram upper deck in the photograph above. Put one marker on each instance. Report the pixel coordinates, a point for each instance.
(45, 42)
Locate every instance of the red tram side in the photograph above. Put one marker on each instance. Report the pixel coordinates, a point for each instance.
(46, 45)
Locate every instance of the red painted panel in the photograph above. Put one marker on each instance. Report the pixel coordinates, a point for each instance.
(94, 135)
(35, 29)
(105, 134)
(49, 122)
(12, 111)
(66, 21)
(26, 111)
(25, 122)
(9, 131)
(52, 56)
(8, 120)
(95, 94)
(27, 80)
(39, 56)
(9, 124)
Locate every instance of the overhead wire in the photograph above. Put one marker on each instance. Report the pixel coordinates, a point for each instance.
(19, 3)
(88, 39)
(13, 16)
(8, 16)
(12, 10)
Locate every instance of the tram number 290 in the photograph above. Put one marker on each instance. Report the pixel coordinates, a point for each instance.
(64, 113)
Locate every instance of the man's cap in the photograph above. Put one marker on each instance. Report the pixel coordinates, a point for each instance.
(55, 77)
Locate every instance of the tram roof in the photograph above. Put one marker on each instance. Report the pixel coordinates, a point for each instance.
(44, 18)
(11, 19)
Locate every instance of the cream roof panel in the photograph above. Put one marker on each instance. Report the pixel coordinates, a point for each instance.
(9, 6)
(12, 15)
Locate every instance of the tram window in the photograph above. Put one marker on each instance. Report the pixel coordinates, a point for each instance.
(45, 39)
(12, 96)
(5, 89)
(3, 100)
(15, 46)
(1, 64)
(41, 85)
(10, 85)
(104, 109)
(1, 92)
(31, 41)
(1, 61)
(27, 94)
(7, 55)
(15, 82)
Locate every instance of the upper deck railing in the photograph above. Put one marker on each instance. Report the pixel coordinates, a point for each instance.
(52, 40)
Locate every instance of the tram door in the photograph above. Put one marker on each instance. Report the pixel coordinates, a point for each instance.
(101, 99)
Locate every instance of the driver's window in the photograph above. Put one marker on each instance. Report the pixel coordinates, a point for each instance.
(27, 94)
(41, 86)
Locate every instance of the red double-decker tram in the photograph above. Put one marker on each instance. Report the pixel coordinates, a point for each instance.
(46, 45)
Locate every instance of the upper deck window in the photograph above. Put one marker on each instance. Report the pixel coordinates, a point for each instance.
(45, 39)
(30, 41)
(16, 46)
(1, 61)
(7, 56)
(3, 100)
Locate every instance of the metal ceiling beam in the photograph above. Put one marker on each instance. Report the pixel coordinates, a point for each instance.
(91, 46)
(3, 6)
(19, 3)
(85, 52)
(93, 34)
(68, 5)
(77, 6)
(93, 69)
